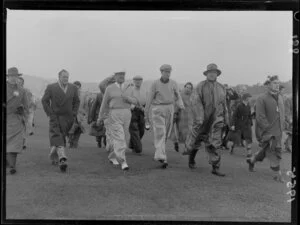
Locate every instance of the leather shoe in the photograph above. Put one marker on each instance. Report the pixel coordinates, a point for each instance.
(192, 165)
(217, 172)
(63, 166)
(251, 165)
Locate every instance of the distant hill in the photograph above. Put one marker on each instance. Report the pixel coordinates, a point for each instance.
(38, 85)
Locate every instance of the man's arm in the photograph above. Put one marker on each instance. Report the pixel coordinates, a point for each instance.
(76, 102)
(46, 101)
(261, 118)
(104, 105)
(106, 82)
(178, 96)
(150, 98)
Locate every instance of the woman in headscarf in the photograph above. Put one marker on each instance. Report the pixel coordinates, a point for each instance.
(16, 117)
(182, 118)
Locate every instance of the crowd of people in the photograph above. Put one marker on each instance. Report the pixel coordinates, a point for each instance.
(210, 114)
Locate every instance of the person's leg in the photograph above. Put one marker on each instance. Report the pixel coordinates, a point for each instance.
(159, 133)
(118, 136)
(12, 161)
(213, 148)
(62, 158)
(135, 142)
(192, 163)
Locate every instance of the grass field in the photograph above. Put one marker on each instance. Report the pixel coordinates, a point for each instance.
(92, 189)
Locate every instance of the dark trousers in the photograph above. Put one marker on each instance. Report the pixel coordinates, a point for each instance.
(136, 130)
(99, 140)
(11, 159)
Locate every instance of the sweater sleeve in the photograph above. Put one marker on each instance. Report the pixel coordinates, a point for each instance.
(104, 105)
(150, 98)
(46, 101)
(177, 95)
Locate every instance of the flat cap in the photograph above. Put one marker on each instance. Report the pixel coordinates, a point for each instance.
(166, 67)
(246, 95)
(137, 77)
(121, 72)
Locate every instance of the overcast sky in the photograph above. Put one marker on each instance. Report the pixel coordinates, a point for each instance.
(246, 46)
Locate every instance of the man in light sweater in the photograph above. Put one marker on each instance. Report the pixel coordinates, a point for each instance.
(117, 101)
(163, 94)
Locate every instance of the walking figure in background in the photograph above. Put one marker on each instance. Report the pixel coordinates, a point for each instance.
(269, 125)
(60, 103)
(137, 124)
(97, 131)
(209, 117)
(117, 101)
(182, 118)
(77, 128)
(242, 123)
(288, 128)
(31, 111)
(163, 94)
(16, 117)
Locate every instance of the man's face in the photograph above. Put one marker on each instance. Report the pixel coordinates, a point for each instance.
(20, 82)
(274, 85)
(137, 83)
(188, 89)
(13, 79)
(64, 78)
(212, 75)
(165, 74)
(246, 100)
(120, 78)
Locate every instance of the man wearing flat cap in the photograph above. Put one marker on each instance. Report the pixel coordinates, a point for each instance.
(163, 94)
(137, 124)
(16, 116)
(242, 123)
(210, 115)
(117, 101)
(60, 102)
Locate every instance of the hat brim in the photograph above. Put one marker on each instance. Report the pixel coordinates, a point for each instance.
(218, 72)
(18, 74)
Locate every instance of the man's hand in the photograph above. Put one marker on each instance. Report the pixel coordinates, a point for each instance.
(233, 128)
(126, 98)
(99, 121)
(181, 107)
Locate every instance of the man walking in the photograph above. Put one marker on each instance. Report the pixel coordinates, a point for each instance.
(117, 101)
(98, 131)
(16, 117)
(137, 124)
(60, 103)
(210, 116)
(242, 123)
(163, 94)
(269, 119)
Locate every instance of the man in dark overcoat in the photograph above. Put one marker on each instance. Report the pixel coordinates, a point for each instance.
(93, 116)
(269, 125)
(242, 123)
(60, 103)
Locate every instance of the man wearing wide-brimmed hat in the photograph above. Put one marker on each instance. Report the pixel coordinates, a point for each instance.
(60, 103)
(117, 100)
(209, 117)
(137, 124)
(163, 94)
(16, 115)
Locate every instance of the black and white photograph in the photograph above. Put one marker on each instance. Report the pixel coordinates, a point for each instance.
(149, 115)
